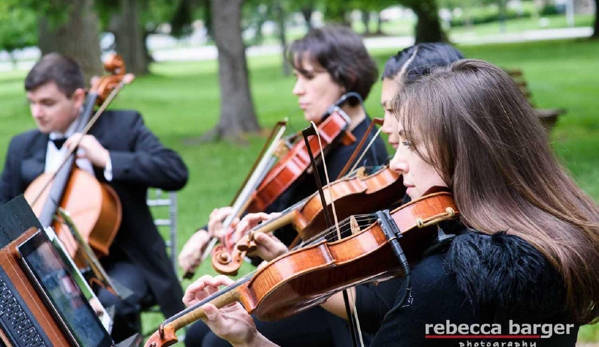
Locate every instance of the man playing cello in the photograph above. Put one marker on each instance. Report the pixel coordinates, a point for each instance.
(119, 150)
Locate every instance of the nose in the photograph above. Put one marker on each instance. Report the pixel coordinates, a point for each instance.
(298, 88)
(37, 111)
(398, 163)
(387, 127)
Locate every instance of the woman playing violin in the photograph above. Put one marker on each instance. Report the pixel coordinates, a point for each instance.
(328, 63)
(372, 302)
(528, 245)
(119, 150)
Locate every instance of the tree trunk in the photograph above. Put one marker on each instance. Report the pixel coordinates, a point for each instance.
(129, 37)
(596, 25)
(307, 14)
(280, 14)
(236, 106)
(78, 38)
(208, 18)
(502, 16)
(428, 27)
(379, 24)
(13, 59)
(149, 57)
(366, 21)
(337, 14)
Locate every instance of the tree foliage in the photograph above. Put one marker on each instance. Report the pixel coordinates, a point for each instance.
(18, 27)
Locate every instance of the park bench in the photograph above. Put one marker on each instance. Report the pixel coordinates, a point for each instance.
(547, 116)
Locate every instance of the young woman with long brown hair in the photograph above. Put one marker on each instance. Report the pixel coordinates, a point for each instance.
(528, 247)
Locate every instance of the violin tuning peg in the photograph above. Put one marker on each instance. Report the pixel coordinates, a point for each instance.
(251, 247)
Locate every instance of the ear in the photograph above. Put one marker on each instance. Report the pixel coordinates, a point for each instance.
(79, 97)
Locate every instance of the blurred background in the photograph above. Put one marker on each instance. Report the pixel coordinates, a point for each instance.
(189, 56)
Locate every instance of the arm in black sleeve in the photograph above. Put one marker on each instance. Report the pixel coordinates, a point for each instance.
(435, 298)
(148, 162)
(373, 301)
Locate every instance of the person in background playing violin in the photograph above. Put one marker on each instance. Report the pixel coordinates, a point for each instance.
(529, 235)
(372, 302)
(328, 63)
(119, 150)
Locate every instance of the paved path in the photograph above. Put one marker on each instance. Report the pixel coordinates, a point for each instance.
(209, 52)
(395, 42)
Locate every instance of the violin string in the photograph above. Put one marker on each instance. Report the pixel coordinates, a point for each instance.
(327, 233)
(353, 310)
(343, 225)
(326, 175)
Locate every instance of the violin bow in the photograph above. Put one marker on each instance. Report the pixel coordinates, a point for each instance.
(375, 121)
(241, 200)
(312, 130)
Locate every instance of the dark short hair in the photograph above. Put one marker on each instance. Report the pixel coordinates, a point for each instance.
(420, 59)
(54, 67)
(339, 51)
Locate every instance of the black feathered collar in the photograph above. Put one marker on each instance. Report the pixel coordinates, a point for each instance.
(504, 277)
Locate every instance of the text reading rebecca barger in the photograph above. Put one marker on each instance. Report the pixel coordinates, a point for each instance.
(495, 331)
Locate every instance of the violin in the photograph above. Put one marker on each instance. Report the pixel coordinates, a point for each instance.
(356, 193)
(292, 166)
(307, 276)
(94, 207)
(289, 168)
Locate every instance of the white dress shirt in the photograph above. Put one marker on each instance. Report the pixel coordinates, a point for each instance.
(55, 156)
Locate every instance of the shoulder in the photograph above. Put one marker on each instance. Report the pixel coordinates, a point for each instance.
(26, 136)
(21, 140)
(124, 118)
(504, 276)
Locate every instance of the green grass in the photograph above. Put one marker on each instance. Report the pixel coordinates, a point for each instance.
(180, 101)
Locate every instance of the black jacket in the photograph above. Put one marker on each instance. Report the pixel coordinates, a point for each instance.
(139, 161)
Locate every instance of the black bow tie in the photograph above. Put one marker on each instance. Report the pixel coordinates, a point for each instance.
(59, 142)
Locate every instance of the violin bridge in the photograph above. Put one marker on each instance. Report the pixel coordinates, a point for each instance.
(353, 223)
(361, 173)
(282, 149)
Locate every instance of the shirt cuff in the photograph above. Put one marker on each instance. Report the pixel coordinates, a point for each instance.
(108, 170)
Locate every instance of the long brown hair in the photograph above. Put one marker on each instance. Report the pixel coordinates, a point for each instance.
(489, 146)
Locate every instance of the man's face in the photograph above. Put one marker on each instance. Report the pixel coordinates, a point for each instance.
(52, 110)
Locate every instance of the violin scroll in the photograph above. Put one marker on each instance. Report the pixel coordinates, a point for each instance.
(163, 337)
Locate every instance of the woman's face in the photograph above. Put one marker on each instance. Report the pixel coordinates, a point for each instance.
(315, 90)
(418, 175)
(389, 89)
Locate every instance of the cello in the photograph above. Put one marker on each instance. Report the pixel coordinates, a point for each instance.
(94, 207)
(307, 276)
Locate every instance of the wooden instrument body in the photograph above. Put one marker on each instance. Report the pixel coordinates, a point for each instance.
(352, 195)
(94, 207)
(306, 277)
(296, 162)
